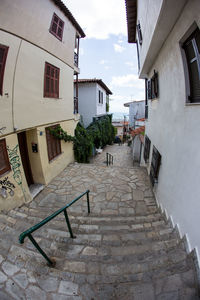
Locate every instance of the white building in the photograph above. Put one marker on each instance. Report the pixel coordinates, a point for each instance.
(136, 111)
(93, 99)
(168, 41)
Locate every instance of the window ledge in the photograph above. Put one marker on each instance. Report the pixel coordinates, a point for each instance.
(192, 104)
(55, 158)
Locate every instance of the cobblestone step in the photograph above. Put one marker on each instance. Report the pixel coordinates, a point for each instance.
(124, 249)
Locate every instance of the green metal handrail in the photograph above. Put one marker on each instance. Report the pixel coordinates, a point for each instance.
(28, 232)
(109, 159)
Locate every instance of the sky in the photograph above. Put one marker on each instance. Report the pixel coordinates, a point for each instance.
(105, 52)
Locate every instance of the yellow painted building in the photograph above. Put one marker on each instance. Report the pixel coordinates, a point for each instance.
(39, 43)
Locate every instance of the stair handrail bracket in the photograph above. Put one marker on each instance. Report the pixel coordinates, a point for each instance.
(27, 233)
(109, 159)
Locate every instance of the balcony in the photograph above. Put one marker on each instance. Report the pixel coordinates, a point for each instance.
(76, 59)
(75, 105)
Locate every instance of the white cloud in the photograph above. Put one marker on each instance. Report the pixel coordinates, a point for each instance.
(129, 80)
(117, 104)
(99, 19)
(103, 62)
(118, 48)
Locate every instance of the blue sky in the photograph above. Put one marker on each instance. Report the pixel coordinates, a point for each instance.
(105, 52)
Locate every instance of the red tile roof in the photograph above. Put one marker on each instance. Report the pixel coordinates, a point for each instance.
(69, 15)
(137, 131)
(95, 80)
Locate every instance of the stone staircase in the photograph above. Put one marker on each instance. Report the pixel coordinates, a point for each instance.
(125, 249)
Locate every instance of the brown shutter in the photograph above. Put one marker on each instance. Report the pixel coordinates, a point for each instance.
(3, 56)
(53, 144)
(4, 160)
(191, 47)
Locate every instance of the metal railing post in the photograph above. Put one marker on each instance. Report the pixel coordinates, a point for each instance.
(88, 202)
(39, 249)
(68, 224)
(107, 159)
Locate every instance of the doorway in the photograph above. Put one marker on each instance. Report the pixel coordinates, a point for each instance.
(24, 157)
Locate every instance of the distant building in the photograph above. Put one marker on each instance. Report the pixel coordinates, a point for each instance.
(93, 99)
(136, 111)
(38, 60)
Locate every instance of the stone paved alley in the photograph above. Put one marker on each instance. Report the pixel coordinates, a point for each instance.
(125, 249)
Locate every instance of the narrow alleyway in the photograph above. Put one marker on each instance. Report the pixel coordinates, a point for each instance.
(124, 249)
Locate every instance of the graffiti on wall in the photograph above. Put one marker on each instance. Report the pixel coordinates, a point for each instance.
(6, 187)
(2, 129)
(15, 163)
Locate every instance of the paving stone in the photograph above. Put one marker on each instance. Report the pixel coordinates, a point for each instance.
(89, 251)
(143, 292)
(75, 266)
(48, 284)
(35, 293)
(138, 195)
(3, 277)
(68, 288)
(9, 268)
(13, 289)
(4, 296)
(21, 280)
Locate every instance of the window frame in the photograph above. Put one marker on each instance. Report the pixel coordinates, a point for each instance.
(139, 33)
(50, 94)
(187, 62)
(57, 27)
(153, 87)
(5, 154)
(147, 148)
(155, 165)
(3, 64)
(100, 97)
(53, 150)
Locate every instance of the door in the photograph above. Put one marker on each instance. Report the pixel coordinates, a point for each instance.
(24, 157)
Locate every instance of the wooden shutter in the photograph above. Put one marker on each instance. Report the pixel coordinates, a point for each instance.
(4, 160)
(149, 91)
(147, 147)
(53, 144)
(154, 85)
(51, 81)
(3, 56)
(192, 51)
(155, 165)
(139, 31)
(57, 27)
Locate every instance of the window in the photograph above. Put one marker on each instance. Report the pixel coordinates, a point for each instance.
(155, 166)
(53, 144)
(146, 100)
(57, 27)
(51, 81)
(192, 52)
(4, 160)
(139, 32)
(147, 147)
(3, 56)
(152, 86)
(100, 97)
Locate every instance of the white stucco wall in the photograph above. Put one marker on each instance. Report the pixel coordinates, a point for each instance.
(100, 107)
(31, 21)
(22, 103)
(173, 127)
(136, 111)
(87, 102)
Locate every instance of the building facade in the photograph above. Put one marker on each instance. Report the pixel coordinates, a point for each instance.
(136, 111)
(37, 67)
(93, 99)
(168, 40)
